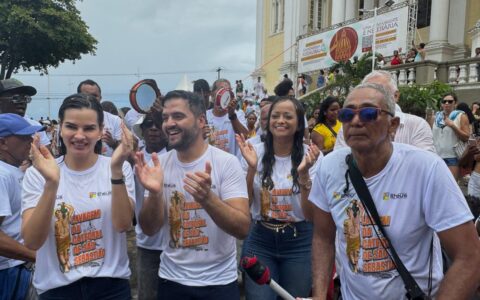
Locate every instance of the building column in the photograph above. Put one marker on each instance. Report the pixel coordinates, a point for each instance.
(296, 23)
(351, 9)
(456, 28)
(259, 35)
(475, 33)
(259, 39)
(338, 11)
(368, 4)
(438, 48)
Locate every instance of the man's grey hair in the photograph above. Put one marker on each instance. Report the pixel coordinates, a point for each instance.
(386, 94)
(220, 80)
(381, 73)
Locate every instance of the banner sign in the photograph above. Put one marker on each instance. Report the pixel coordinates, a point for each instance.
(325, 49)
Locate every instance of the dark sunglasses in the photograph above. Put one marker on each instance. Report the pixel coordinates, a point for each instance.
(148, 123)
(447, 101)
(366, 114)
(15, 99)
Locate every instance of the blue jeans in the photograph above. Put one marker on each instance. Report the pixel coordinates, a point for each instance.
(99, 288)
(287, 256)
(14, 283)
(169, 290)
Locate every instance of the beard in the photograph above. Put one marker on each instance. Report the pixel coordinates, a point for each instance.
(187, 139)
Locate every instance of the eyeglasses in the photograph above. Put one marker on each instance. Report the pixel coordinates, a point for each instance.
(15, 99)
(366, 114)
(447, 101)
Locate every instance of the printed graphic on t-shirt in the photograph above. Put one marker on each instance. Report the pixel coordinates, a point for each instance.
(365, 249)
(276, 204)
(185, 223)
(219, 138)
(76, 237)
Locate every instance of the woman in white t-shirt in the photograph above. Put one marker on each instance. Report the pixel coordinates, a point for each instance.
(279, 180)
(77, 208)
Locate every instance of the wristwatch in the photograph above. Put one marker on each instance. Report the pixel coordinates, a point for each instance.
(118, 181)
(232, 116)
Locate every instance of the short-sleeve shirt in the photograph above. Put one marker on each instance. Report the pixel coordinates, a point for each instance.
(222, 134)
(155, 241)
(196, 251)
(81, 225)
(112, 124)
(281, 203)
(10, 206)
(411, 209)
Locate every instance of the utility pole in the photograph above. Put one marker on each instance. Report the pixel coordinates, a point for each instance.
(219, 69)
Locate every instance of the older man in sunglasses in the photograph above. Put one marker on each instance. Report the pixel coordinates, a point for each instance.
(411, 130)
(419, 205)
(14, 97)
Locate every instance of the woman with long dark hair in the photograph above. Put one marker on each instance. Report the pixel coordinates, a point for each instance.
(324, 134)
(279, 180)
(81, 246)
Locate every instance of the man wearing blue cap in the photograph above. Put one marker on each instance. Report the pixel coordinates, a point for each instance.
(14, 97)
(15, 141)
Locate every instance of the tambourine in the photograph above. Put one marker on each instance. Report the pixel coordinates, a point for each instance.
(223, 97)
(143, 95)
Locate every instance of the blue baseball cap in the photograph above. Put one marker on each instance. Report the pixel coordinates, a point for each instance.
(13, 124)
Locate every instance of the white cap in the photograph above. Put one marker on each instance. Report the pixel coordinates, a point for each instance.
(136, 128)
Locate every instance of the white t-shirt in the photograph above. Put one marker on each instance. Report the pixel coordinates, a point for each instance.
(257, 139)
(196, 251)
(10, 206)
(222, 134)
(144, 241)
(445, 138)
(280, 203)
(95, 248)
(44, 139)
(111, 123)
(411, 208)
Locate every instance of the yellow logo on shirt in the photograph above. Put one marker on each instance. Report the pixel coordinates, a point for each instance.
(92, 195)
(337, 196)
(386, 196)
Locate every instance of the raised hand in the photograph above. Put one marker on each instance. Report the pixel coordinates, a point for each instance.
(124, 149)
(44, 161)
(309, 159)
(199, 184)
(151, 177)
(248, 152)
(108, 138)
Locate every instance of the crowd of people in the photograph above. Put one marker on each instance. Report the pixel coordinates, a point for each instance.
(195, 177)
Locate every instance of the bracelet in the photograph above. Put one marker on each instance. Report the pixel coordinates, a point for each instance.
(118, 181)
(232, 117)
(306, 185)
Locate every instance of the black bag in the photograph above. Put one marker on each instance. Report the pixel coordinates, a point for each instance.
(413, 290)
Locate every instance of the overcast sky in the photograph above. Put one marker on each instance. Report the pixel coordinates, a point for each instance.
(151, 36)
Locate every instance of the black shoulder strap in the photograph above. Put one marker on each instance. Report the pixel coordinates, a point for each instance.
(331, 130)
(413, 290)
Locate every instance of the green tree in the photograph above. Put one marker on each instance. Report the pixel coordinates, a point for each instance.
(350, 76)
(41, 33)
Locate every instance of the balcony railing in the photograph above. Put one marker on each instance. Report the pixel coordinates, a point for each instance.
(462, 72)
